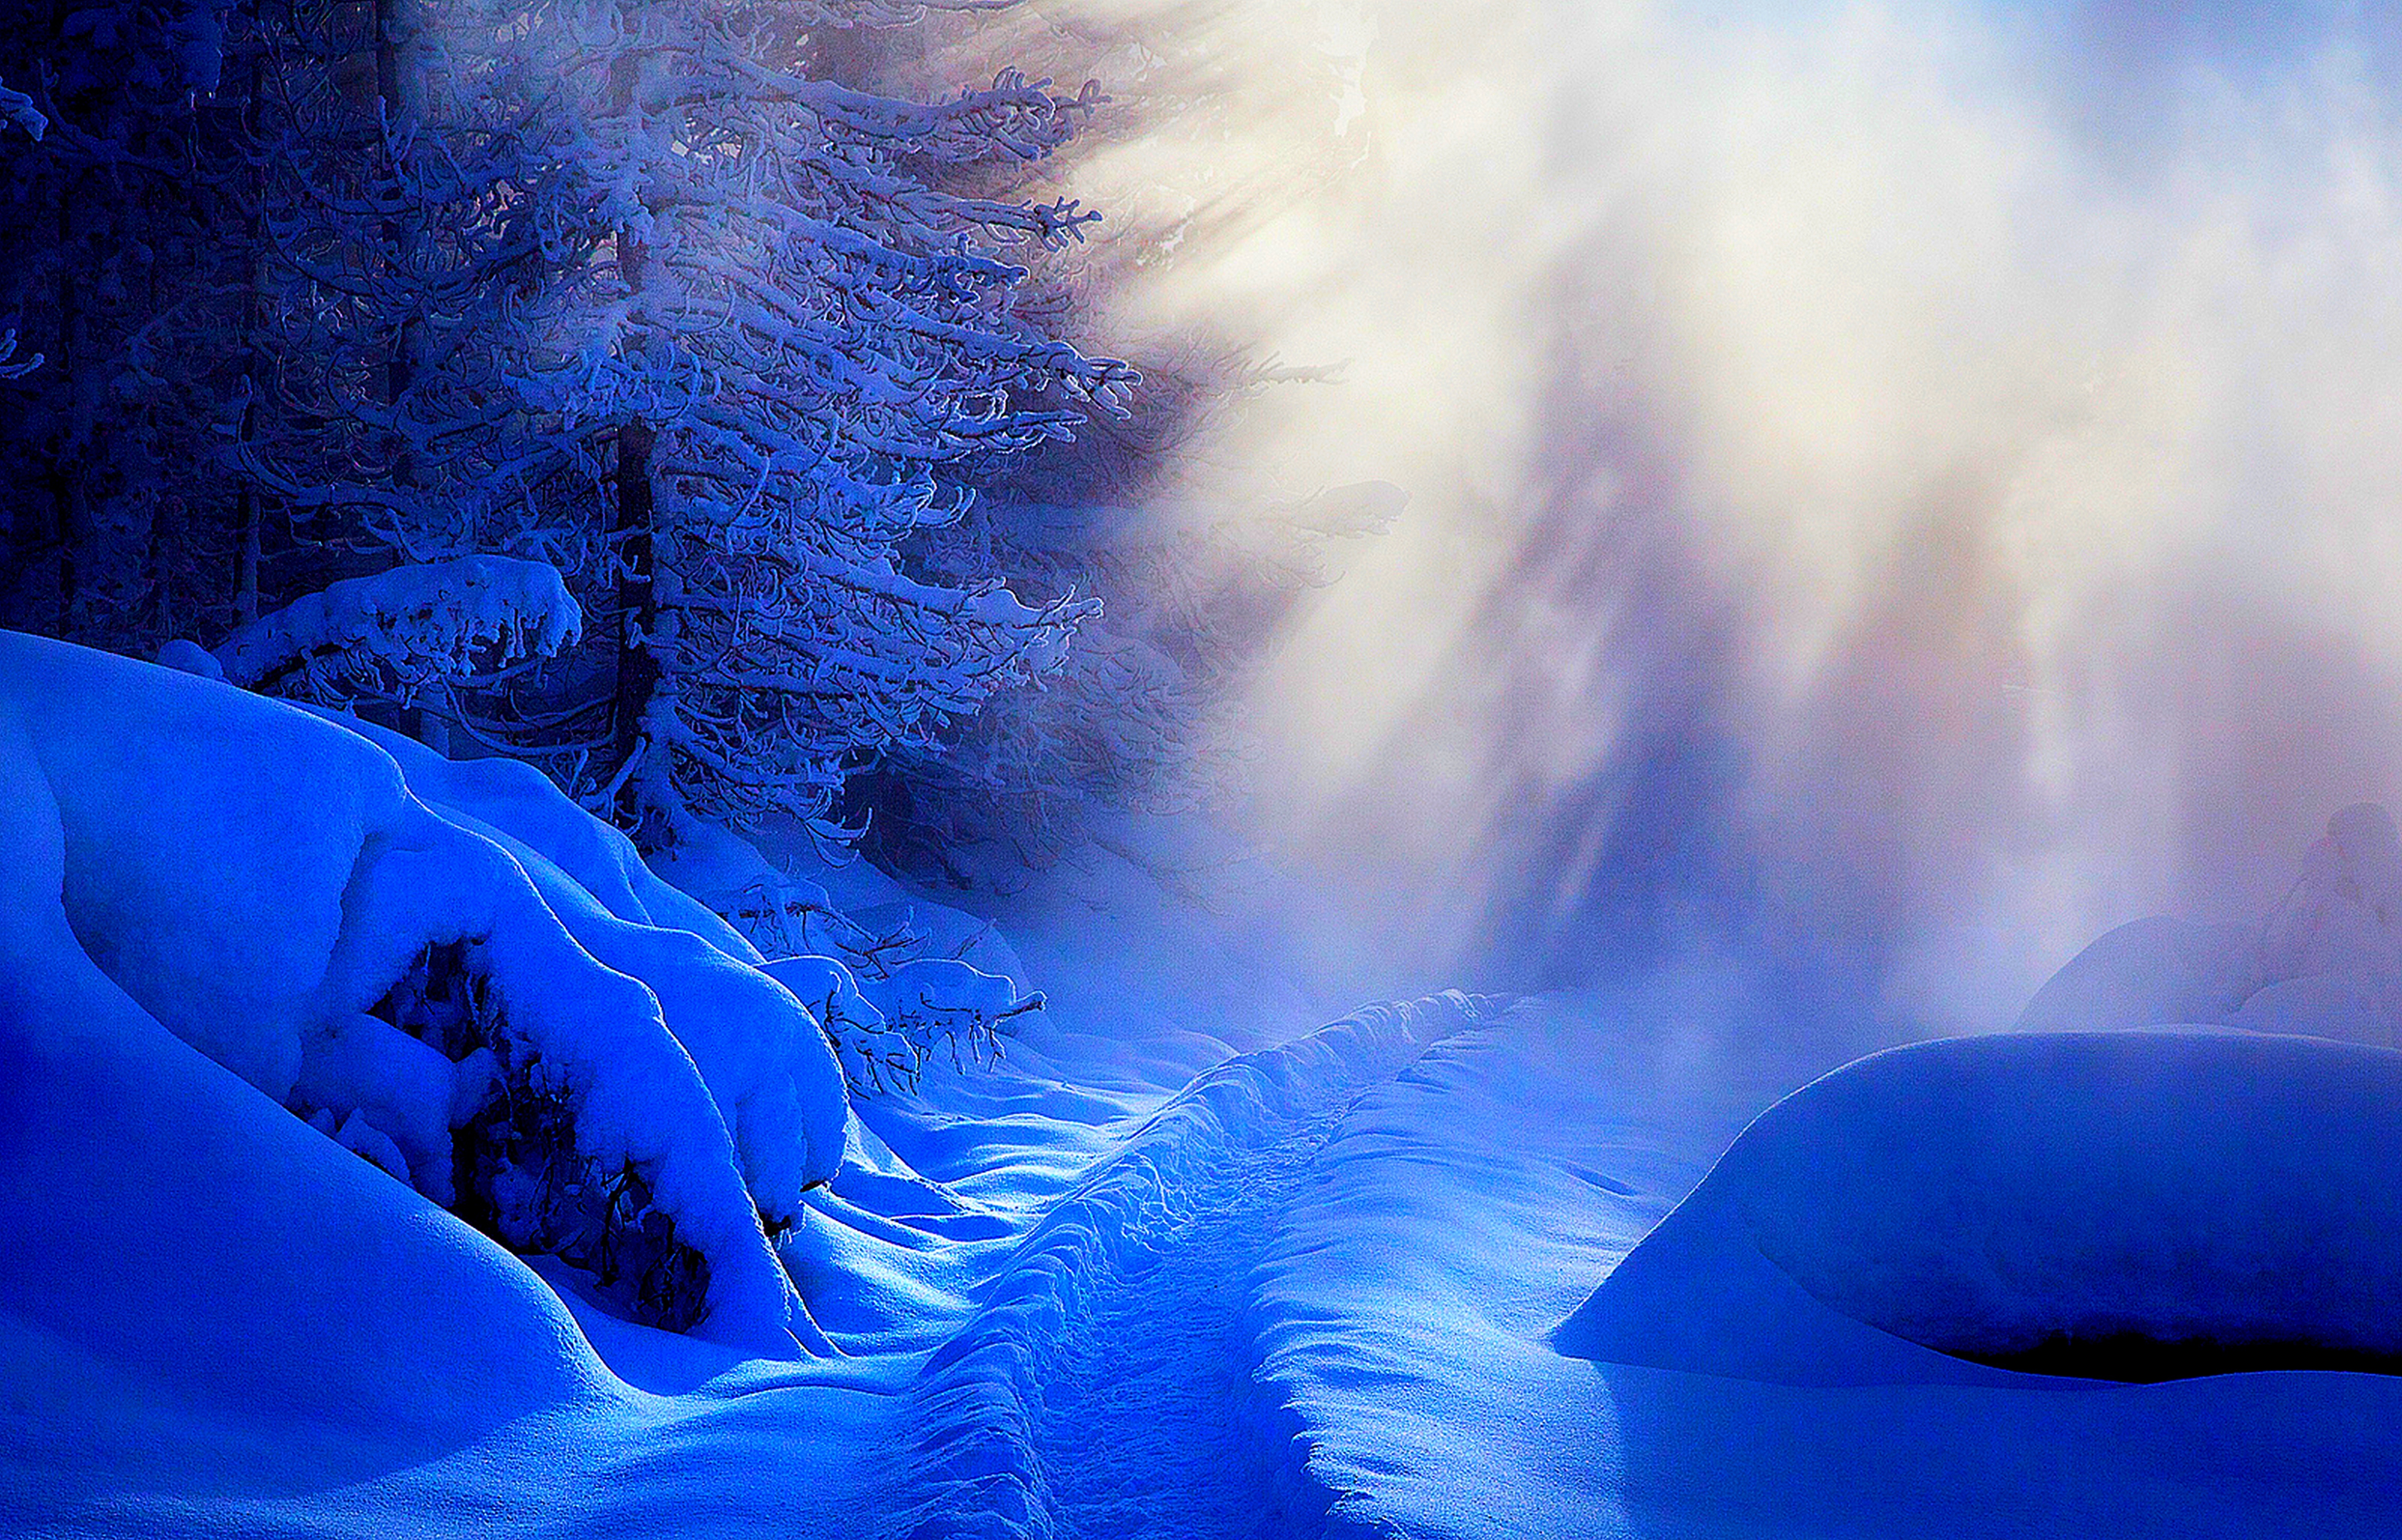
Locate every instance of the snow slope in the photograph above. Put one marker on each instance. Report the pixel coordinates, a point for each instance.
(166, 1220)
(257, 879)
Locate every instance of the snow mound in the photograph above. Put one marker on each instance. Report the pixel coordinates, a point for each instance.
(2328, 961)
(2179, 1201)
(170, 1227)
(474, 988)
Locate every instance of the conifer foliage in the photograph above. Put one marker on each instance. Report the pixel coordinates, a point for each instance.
(630, 290)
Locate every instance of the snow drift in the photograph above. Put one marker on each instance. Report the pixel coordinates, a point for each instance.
(2179, 1201)
(445, 968)
(164, 1218)
(2327, 961)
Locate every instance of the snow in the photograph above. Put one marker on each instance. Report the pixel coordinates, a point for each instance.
(163, 1215)
(1985, 1196)
(1162, 1269)
(415, 622)
(2327, 961)
(258, 878)
(1462, 1209)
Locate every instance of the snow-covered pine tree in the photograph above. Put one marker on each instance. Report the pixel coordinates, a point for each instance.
(632, 289)
(1199, 550)
(792, 337)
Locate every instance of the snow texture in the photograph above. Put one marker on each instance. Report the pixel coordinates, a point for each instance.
(259, 879)
(1460, 1209)
(1000, 1457)
(1990, 1196)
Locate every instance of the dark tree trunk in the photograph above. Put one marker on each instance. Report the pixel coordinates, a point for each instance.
(638, 667)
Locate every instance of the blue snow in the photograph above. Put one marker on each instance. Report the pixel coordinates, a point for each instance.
(1458, 1266)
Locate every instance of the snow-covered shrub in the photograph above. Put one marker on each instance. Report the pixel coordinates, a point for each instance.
(873, 1056)
(886, 1003)
(181, 1239)
(931, 999)
(2327, 961)
(561, 1063)
(885, 1027)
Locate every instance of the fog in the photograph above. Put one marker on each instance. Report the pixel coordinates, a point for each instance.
(1896, 488)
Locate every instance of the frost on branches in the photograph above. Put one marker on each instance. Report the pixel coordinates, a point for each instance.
(796, 345)
(410, 629)
(885, 1023)
(444, 967)
(628, 289)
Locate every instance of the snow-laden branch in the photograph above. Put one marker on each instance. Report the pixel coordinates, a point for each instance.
(412, 625)
(17, 110)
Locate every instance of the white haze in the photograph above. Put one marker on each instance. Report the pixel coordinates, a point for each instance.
(1897, 488)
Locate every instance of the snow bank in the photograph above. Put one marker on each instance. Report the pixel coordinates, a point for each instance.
(167, 1225)
(2327, 961)
(266, 886)
(1992, 1197)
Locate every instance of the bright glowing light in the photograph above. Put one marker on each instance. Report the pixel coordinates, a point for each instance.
(1897, 487)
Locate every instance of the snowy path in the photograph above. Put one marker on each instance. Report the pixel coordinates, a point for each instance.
(1150, 1422)
(1309, 1295)
(1109, 1386)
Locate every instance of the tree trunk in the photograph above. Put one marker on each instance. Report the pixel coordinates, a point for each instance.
(633, 529)
(67, 513)
(247, 512)
(638, 667)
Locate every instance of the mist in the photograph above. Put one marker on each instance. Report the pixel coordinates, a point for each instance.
(1895, 489)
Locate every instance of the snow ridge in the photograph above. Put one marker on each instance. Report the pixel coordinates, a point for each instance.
(1011, 1447)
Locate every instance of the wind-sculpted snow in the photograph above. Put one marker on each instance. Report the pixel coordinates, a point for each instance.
(263, 882)
(1004, 1453)
(2215, 1198)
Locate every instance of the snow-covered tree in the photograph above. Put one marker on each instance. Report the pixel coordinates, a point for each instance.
(630, 289)
(1197, 550)
(793, 343)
